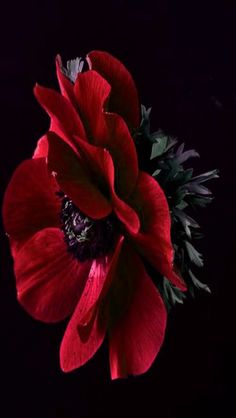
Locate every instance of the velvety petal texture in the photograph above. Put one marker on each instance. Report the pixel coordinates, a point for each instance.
(75, 180)
(65, 121)
(101, 165)
(86, 329)
(91, 91)
(107, 129)
(84, 222)
(30, 202)
(124, 97)
(49, 280)
(135, 338)
(153, 240)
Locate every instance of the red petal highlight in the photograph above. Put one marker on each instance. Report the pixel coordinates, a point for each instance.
(124, 96)
(41, 150)
(154, 240)
(30, 201)
(65, 120)
(86, 329)
(49, 280)
(75, 180)
(136, 337)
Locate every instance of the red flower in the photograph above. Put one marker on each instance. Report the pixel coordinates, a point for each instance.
(81, 219)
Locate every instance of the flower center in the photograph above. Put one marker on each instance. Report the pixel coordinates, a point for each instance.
(86, 238)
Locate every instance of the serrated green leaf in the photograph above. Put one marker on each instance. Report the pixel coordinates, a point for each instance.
(182, 205)
(193, 254)
(197, 188)
(145, 112)
(158, 136)
(179, 196)
(158, 148)
(172, 294)
(209, 175)
(202, 201)
(186, 221)
(186, 155)
(171, 142)
(198, 284)
(184, 176)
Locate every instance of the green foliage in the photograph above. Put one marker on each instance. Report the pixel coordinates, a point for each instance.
(185, 192)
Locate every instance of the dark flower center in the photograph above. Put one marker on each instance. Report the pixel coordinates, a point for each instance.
(86, 238)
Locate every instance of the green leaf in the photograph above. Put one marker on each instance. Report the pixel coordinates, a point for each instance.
(186, 155)
(172, 294)
(198, 284)
(201, 201)
(194, 256)
(197, 188)
(182, 205)
(213, 174)
(145, 112)
(186, 221)
(158, 147)
(179, 196)
(171, 142)
(184, 176)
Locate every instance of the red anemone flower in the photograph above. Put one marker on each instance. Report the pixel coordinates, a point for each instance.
(82, 220)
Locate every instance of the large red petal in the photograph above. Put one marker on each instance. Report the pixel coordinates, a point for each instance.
(86, 329)
(65, 121)
(124, 96)
(154, 239)
(75, 180)
(49, 280)
(101, 165)
(107, 129)
(136, 337)
(30, 201)
(91, 91)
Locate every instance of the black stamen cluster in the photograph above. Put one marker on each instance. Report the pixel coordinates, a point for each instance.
(86, 238)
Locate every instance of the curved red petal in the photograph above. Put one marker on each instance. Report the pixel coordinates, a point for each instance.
(124, 97)
(91, 92)
(101, 165)
(126, 215)
(41, 150)
(86, 329)
(107, 129)
(65, 121)
(49, 280)
(154, 239)
(136, 337)
(30, 202)
(123, 151)
(75, 180)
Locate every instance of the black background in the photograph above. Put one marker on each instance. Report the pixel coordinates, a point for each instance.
(182, 57)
